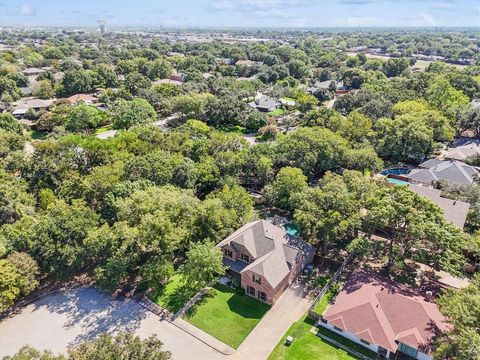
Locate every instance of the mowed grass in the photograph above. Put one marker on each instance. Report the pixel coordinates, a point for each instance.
(306, 345)
(226, 315)
(173, 295)
(103, 129)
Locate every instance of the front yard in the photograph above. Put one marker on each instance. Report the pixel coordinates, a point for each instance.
(227, 315)
(173, 295)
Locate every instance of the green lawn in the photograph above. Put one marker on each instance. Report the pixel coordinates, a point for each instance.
(37, 135)
(227, 315)
(103, 129)
(173, 295)
(306, 346)
(276, 112)
(347, 343)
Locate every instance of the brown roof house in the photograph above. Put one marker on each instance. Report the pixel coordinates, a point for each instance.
(385, 317)
(264, 259)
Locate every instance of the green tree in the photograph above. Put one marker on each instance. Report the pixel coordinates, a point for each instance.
(121, 346)
(9, 123)
(446, 98)
(203, 265)
(462, 309)
(82, 118)
(134, 82)
(43, 90)
(127, 114)
(288, 183)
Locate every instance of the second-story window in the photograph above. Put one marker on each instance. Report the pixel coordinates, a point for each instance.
(257, 279)
(246, 258)
(228, 253)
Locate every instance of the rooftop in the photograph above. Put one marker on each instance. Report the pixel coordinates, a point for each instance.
(454, 172)
(271, 247)
(455, 211)
(383, 312)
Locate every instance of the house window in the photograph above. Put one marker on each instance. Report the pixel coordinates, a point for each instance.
(408, 350)
(338, 329)
(365, 342)
(262, 296)
(250, 290)
(246, 258)
(228, 253)
(257, 279)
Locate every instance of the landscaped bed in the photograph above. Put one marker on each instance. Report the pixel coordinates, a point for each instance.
(227, 315)
(173, 295)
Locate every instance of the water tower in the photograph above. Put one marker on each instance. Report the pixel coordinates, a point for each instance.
(103, 26)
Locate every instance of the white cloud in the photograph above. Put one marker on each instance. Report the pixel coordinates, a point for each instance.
(422, 19)
(27, 10)
(362, 21)
(442, 5)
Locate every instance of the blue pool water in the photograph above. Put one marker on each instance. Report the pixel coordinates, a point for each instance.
(291, 229)
(396, 171)
(397, 182)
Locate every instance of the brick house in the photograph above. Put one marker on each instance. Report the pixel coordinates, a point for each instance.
(264, 259)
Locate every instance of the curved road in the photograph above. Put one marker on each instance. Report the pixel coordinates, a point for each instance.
(56, 321)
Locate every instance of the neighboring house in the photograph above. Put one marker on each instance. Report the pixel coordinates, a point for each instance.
(78, 98)
(385, 317)
(455, 211)
(265, 104)
(264, 259)
(225, 61)
(177, 76)
(167, 81)
(453, 172)
(21, 107)
(340, 88)
(475, 103)
(32, 71)
(248, 63)
(464, 149)
(26, 91)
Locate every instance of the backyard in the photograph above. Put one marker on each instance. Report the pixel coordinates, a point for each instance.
(227, 315)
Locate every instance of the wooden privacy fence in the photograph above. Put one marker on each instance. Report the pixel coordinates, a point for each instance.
(311, 311)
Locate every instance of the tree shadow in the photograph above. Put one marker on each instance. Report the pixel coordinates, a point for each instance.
(179, 297)
(94, 311)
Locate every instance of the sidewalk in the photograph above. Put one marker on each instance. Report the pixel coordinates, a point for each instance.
(203, 336)
(266, 335)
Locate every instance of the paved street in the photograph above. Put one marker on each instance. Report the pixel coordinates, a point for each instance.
(58, 320)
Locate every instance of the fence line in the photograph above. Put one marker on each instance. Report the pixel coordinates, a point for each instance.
(311, 311)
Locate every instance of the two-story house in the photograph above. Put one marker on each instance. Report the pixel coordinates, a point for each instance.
(264, 259)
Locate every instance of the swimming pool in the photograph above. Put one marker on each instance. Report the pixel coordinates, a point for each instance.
(397, 182)
(395, 171)
(291, 229)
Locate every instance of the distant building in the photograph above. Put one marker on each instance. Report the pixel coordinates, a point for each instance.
(453, 172)
(103, 27)
(22, 106)
(265, 104)
(78, 98)
(177, 76)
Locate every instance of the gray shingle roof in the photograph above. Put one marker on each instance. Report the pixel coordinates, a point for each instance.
(454, 172)
(454, 211)
(269, 245)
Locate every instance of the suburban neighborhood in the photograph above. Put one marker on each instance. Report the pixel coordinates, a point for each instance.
(245, 180)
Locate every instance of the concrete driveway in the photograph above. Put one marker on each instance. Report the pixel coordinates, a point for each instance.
(290, 307)
(56, 321)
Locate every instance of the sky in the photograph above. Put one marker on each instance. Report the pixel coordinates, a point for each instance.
(241, 13)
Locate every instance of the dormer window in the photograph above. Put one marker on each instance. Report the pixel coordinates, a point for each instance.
(246, 258)
(228, 253)
(257, 279)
